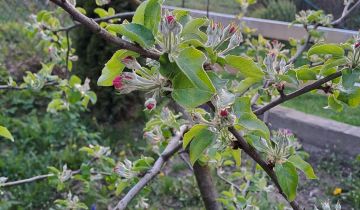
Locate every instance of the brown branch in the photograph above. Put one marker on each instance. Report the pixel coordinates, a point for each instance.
(96, 28)
(173, 146)
(299, 92)
(242, 144)
(207, 189)
(24, 181)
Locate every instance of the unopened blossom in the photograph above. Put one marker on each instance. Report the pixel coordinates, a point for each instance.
(229, 30)
(124, 169)
(131, 63)
(235, 41)
(214, 33)
(224, 113)
(150, 104)
(65, 174)
(117, 82)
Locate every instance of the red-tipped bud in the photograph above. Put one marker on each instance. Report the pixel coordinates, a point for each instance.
(232, 29)
(150, 104)
(224, 113)
(357, 45)
(117, 82)
(170, 19)
(127, 59)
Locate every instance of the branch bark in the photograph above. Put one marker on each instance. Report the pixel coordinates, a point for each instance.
(173, 146)
(207, 189)
(242, 144)
(299, 92)
(94, 27)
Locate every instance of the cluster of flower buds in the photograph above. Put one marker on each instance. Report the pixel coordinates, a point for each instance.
(276, 48)
(275, 67)
(217, 35)
(130, 81)
(170, 29)
(124, 169)
(154, 137)
(356, 51)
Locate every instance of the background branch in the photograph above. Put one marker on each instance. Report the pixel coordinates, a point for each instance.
(96, 28)
(346, 13)
(173, 146)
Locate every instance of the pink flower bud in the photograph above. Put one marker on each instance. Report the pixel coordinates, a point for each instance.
(357, 45)
(117, 82)
(224, 113)
(232, 29)
(150, 104)
(170, 19)
(127, 59)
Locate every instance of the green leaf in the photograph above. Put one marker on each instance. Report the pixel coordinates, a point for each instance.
(351, 98)
(326, 49)
(236, 153)
(194, 131)
(168, 69)
(148, 14)
(247, 119)
(334, 103)
(246, 66)
(192, 30)
(331, 64)
(306, 73)
(200, 142)
(288, 179)
(349, 78)
(187, 94)
(305, 167)
(4, 132)
(114, 67)
(190, 62)
(152, 15)
(101, 12)
(192, 86)
(135, 32)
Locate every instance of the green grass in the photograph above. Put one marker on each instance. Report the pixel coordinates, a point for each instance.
(313, 103)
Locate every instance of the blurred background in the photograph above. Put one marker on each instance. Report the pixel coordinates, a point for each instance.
(117, 121)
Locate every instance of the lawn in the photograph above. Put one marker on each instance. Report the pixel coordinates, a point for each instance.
(314, 104)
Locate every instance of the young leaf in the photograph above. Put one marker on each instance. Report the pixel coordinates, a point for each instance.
(187, 94)
(190, 62)
(148, 14)
(191, 30)
(246, 66)
(247, 119)
(135, 32)
(200, 142)
(4, 132)
(114, 67)
(288, 179)
(326, 49)
(334, 103)
(195, 130)
(305, 167)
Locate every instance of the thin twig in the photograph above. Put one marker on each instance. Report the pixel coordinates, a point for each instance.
(299, 92)
(96, 28)
(218, 173)
(173, 146)
(346, 13)
(186, 161)
(23, 181)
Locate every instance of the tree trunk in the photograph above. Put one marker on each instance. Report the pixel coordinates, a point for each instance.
(206, 186)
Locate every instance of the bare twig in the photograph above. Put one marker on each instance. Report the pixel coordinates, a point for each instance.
(218, 173)
(184, 158)
(173, 146)
(346, 13)
(94, 27)
(24, 181)
(299, 92)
